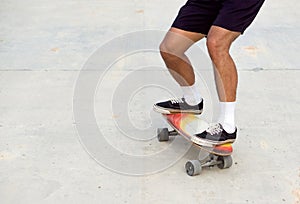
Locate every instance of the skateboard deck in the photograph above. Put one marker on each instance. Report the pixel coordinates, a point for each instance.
(186, 125)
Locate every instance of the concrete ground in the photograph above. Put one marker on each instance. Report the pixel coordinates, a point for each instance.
(50, 150)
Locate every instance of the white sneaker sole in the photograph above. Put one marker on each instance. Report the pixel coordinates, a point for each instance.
(209, 143)
(171, 111)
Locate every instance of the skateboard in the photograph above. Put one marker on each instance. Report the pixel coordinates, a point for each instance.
(186, 125)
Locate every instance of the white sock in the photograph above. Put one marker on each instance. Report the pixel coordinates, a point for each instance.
(226, 116)
(191, 94)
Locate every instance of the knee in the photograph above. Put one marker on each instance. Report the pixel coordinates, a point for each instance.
(168, 50)
(163, 50)
(216, 47)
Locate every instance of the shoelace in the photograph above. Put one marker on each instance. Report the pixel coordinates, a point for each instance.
(214, 129)
(176, 100)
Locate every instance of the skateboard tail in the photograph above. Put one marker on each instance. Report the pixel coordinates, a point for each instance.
(224, 148)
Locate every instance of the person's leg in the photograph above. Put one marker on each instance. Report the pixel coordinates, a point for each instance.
(192, 23)
(219, 41)
(233, 18)
(173, 48)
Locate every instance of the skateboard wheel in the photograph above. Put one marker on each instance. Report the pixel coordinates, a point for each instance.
(226, 162)
(193, 167)
(163, 134)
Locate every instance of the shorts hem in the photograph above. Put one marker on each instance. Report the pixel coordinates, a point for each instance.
(230, 29)
(189, 29)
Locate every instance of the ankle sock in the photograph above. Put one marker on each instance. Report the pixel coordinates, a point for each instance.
(226, 116)
(191, 94)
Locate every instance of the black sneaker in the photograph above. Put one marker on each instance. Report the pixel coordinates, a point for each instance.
(214, 135)
(178, 106)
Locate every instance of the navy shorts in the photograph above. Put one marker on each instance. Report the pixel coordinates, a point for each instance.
(234, 15)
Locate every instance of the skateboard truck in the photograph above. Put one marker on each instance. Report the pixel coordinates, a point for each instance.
(194, 167)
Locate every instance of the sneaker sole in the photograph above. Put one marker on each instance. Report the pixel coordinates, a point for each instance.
(171, 111)
(209, 143)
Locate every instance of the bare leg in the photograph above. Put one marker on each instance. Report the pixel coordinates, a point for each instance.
(219, 41)
(172, 49)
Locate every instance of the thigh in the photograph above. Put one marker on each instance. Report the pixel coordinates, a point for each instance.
(177, 41)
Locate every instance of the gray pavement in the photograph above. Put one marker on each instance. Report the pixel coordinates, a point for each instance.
(49, 152)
